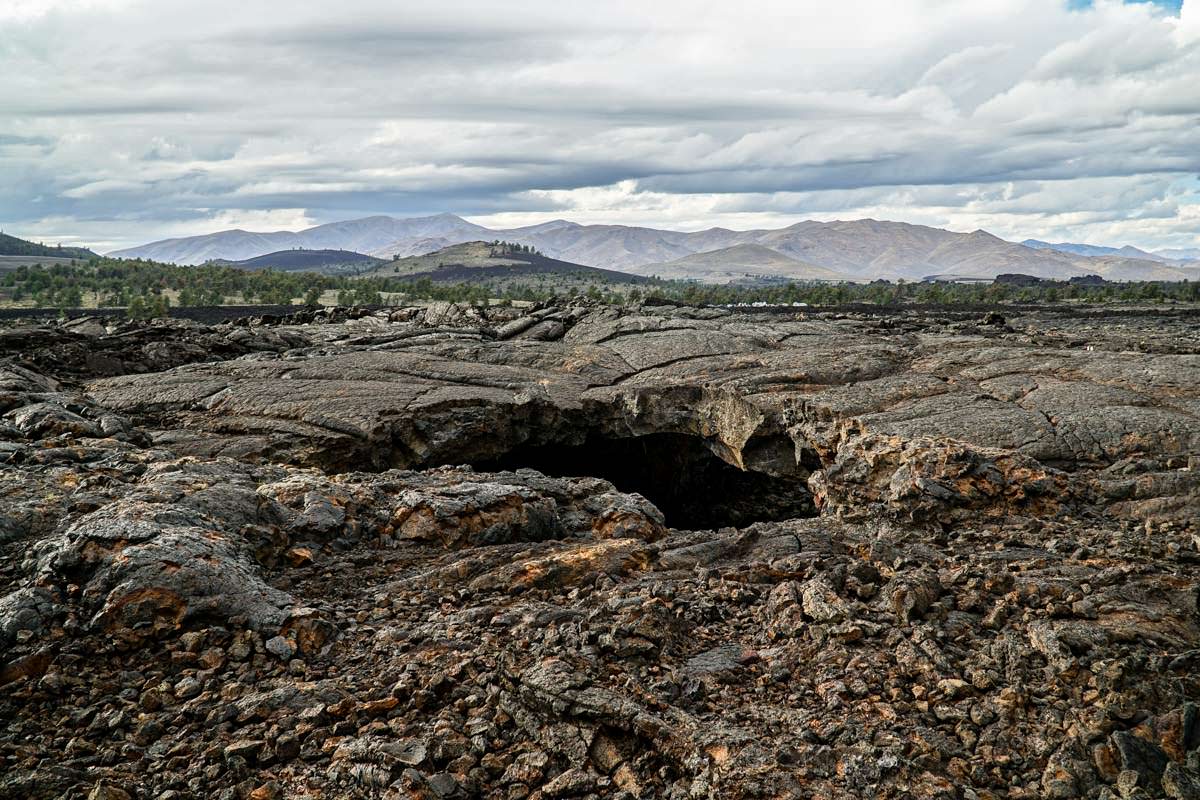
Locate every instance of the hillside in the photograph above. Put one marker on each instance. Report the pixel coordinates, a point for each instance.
(740, 263)
(12, 246)
(473, 262)
(329, 262)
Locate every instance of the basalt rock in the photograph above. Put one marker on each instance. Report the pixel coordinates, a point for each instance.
(193, 540)
(922, 423)
(90, 347)
(585, 551)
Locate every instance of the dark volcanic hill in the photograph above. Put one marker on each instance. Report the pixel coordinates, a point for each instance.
(12, 246)
(473, 262)
(300, 260)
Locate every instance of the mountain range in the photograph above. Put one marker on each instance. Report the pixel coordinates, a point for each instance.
(364, 235)
(856, 250)
(1127, 251)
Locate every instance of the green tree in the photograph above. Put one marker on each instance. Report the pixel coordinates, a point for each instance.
(137, 308)
(160, 306)
(68, 297)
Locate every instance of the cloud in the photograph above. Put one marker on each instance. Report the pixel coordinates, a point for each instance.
(107, 186)
(24, 10)
(1025, 117)
(1188, 29)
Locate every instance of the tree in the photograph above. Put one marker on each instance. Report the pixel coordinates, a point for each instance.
(137, 308)
(68, 297)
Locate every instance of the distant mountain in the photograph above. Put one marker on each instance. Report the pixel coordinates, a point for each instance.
(365, 235)
(617, 247)
(855, 249)
(1095, 250)
(329, 262)
(12, 246)
(870, 249)
(414, 247)
(863, 249)
(739, 263)
(1186, 254)
(473, 262)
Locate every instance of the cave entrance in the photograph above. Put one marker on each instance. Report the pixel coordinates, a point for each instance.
(691, 486)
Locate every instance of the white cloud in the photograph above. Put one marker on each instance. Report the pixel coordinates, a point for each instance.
(1188, 28)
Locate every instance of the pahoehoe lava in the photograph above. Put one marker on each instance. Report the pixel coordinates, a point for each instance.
(589, 551)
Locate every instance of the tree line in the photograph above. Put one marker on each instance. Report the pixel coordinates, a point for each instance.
(148, 288)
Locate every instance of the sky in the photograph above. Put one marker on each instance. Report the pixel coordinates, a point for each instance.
(126, 121)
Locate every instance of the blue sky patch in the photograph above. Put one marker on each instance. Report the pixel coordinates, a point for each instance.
(1172, 6)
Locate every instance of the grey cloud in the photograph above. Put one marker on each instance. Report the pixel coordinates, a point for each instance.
(10, 140)
(46, 107)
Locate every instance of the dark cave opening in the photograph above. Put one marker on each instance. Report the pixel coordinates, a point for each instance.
(687, 482)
